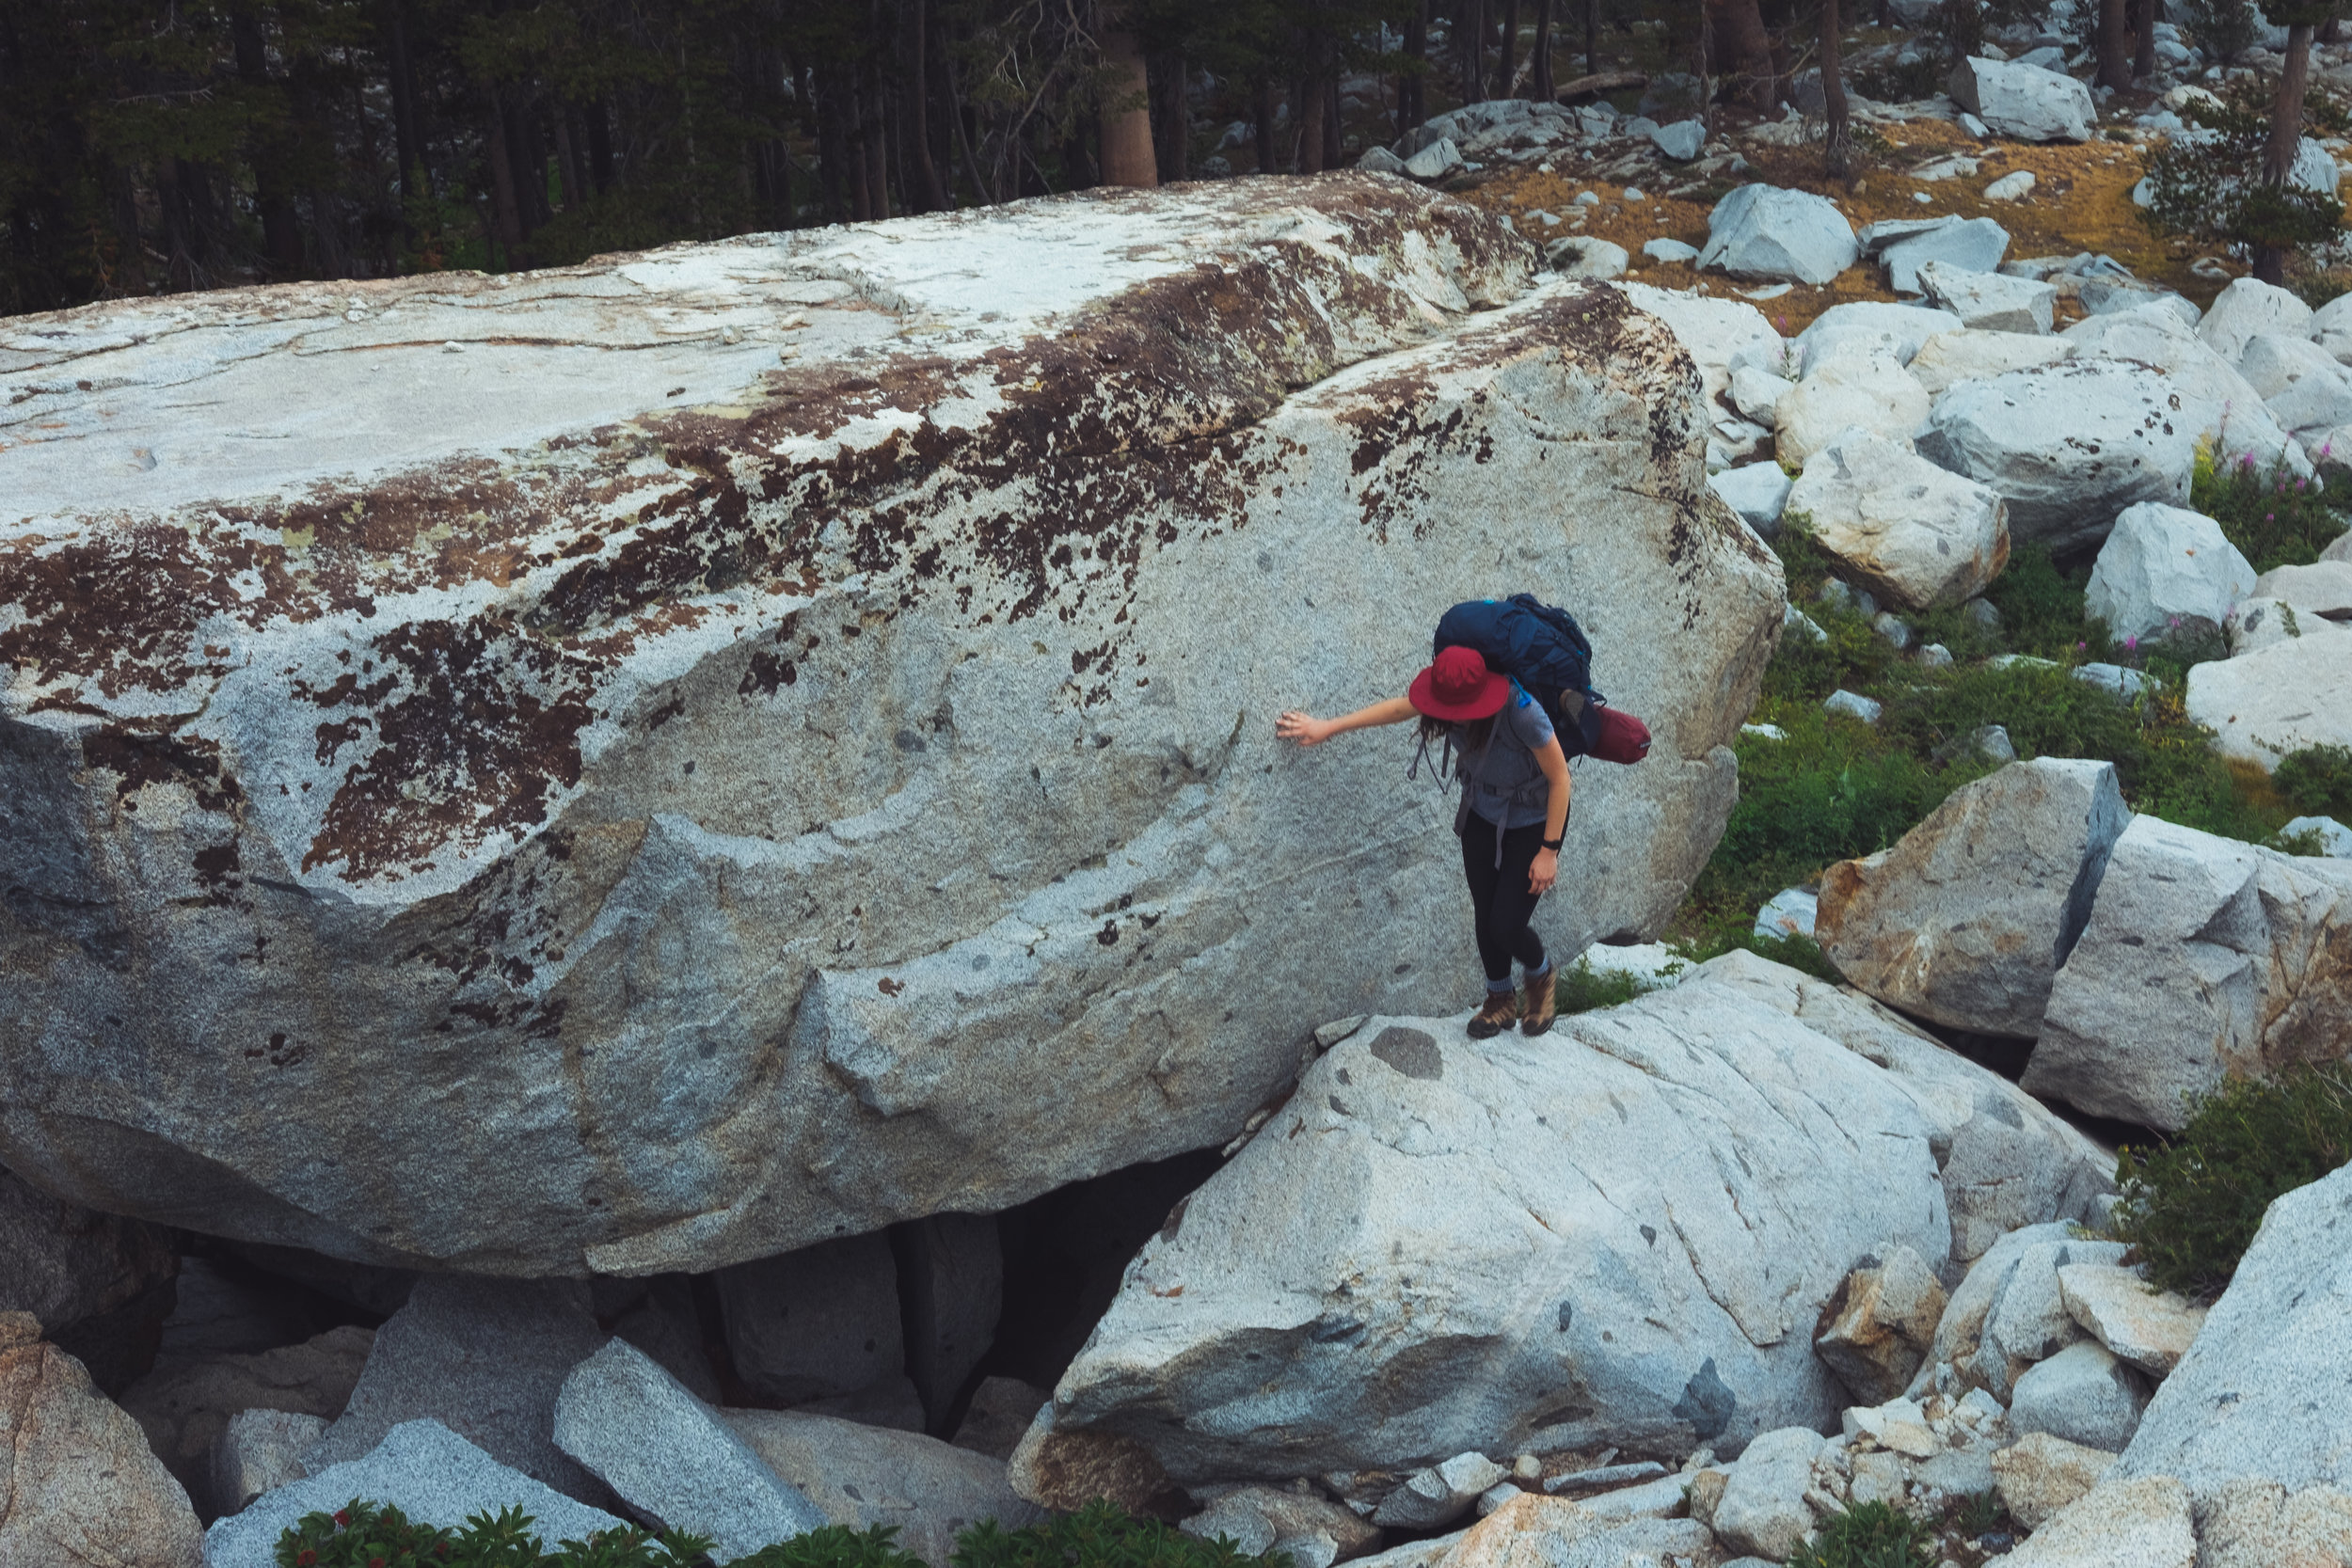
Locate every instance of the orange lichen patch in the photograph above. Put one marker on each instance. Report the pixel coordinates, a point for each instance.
(2081, 200)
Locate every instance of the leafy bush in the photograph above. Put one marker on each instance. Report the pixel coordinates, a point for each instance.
(2224, 29)
(2209, 187)
(1738, 935)
(1584, 988)
(834, 1546)
(2318, 781)
(2192, 1208)
(1100, 1536)
(379, 1535)
(2273, 518)
(1869, 1535)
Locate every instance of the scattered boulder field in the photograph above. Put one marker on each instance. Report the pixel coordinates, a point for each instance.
(615, 887)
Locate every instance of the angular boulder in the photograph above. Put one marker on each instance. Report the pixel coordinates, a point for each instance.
(2039, 1475)
(1900, 330)
(77, 1483)
(816, 1323)
(1720, 335)
(2143, 1523)
(1856, 391)
(1917, 535)
(2023, 101)
(2163, 566)
(1971, 246)
(258, 1451)
(1618, 1235)
(548, 682)
(2249, 307)
(862, 1476)
(1987, 301)
(1767, 233)
(1968, 917)
(2281, 692)
(2303, 386)
(2081, 1394)
(184, 1409)
(2150, 1328)
(100, 1284)
(2323, 589)
(2256, 1397)
(2205, 959)
(422, 1469)
(2211, 387)
(2009, 1311)
(486, 1359)
(1980, 354)
(671, 1458)
(1307, 1528)
(1879, 1327)
(2070, 445)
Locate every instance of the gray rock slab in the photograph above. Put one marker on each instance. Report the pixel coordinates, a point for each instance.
(2205, 959)
(1758, 492)
(2214, 392)
(1671, 250)
(1682, 140)
(816, 1323)
(100, 1285)
(2026, 435)
(2023, 102)
(1435, 160)
(1307, 1528)
(422, 1469)
(2164, 566)
(1989, 302)
(1763, 231)
(1967, 919)
(1900, 330)
(1917, 535)
(2335, 838)
(671, 1458)
(1869, 392)
(1763, 1508)
(1986, 1337)
(2323, 588)
(2291, 689)
(1975, 245)
(2083, 1394)
(483, 1357)
(2151, 1329)
(2249, 306)
(258, 1452)
(721, 971)
(1586, 256)
(1852, 705)
(2142, 1523)
(2251, 1399)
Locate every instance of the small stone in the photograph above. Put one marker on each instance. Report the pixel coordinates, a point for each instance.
(1764, 732)
(1329, 1035)
(2010, 187)
(1681, 141)
(2123, 685)
(2335, 839)
(1587, 198)
(1796, 623)
(2041, 1474)
(1633, 193)
(1670, 250)
(1788, 914)
(1852, 705)
(1892, 627)
(1440, 1494)
(2081, 1394)
(1435, 160)
(1379, 160)
(1527, 1467)
(1981, 613)
(1936, 657)
(258, 1452)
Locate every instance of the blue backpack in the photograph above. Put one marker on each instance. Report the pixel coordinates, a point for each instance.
(1542, 649)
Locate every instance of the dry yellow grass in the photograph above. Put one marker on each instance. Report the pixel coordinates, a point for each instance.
(2081, 201)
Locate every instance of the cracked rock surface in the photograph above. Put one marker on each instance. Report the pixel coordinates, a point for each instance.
(584, 772)
(1442, 1244)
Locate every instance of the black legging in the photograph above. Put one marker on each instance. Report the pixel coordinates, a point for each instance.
(1499, 894)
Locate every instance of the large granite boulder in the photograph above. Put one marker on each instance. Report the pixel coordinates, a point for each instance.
(1620, 1235)
(1915, 534)
(2163, 567)
(2023, 101)
(1967, 918)
(1855, 389)
(77, 1484)
(100, 1284)
(2213, 390)
(2258, 1395)
(2249, 308)
(1767, 233)
(1948, 358)
(2280, 692)
(2205, 959)
(644, 731)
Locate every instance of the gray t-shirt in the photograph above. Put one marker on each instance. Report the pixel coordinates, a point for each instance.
(1505, 783)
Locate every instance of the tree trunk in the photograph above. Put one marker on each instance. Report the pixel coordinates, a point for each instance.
(1540, 87)
(1411, 99)
(1171, 119)
(507, 223)
(281, 231)
(1469, 46)
(1128, 157)
(1311, 121)
(1591, 36)
(876, 160)
(2143, 17)
(1743, 53)
(2115, 46)
(1507, 68)
(599, 145)
(1261, 106)
(1837, 150)
(2287, 139)
(408, 146)
(918, 110)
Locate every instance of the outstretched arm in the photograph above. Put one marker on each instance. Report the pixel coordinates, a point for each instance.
(1308, 730)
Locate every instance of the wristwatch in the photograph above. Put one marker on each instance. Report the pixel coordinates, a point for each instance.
(1553, 844)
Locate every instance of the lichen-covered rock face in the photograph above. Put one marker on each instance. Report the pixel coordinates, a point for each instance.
(653, 765)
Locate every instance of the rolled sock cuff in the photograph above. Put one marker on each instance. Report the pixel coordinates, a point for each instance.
(1500, 988)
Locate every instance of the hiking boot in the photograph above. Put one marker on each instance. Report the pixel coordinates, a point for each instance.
(1536, 1010)
(1496, 1016)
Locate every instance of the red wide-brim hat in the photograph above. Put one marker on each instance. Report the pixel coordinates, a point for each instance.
(1458, 687)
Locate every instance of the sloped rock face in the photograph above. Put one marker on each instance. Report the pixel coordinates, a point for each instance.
(1621, 1234)
(602, 796)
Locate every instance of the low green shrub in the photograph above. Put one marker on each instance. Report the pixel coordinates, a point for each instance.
(2317, 781)
(2041, 607)
(1100, 1536)
(1868, 1535)
(2273, 518)
(1584, 988)
(377, 1535)
(2191, 1209)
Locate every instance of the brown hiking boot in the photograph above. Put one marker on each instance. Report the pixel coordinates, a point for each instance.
(1536, 1010)
(1496, 1016)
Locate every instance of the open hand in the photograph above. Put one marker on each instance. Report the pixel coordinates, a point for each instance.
(1305, 728)
(1542, 871)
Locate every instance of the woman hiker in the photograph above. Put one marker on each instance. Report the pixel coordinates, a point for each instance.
(1514, 810)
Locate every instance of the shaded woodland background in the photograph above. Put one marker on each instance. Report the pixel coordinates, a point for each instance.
(151, 146)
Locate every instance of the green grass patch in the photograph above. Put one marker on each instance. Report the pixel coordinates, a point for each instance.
(1584, 989)
(2191, 1209)
(2317, 782)
(1868, 1535)
(2273, 518)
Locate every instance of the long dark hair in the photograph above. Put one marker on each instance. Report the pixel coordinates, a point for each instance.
(1471, 737)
